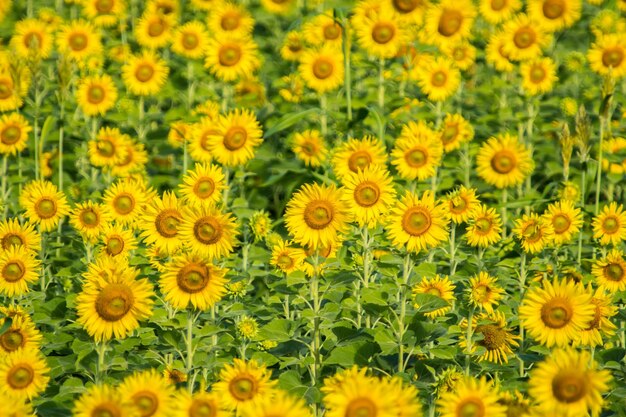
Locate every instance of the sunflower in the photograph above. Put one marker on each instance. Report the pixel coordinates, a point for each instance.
(484, 227)
(108, 148)
(322, 68)
(243, 382)
(208, 232)
(333, 384)
(309, 147)
(610, 225)
(286, 258)
(280, 7)
(601, 324)
(410, 11)
(503, 161)
(358, 154)
(153, 30)
(11, 93)
(23, 374)
(124, 201)
(117, 241)
(471, 397)
(150, 392)
(14, 407)
(524, 38)
(44, 205)
(112, 303)
(14, 234)
(538, 76)
(361, 396)
(167, 8)
(556, 314)
(316, 215)
(497, 339)
(615, 151)
(554, 15)
(462, 204)
(199, 141)
(88, 219)
(145, 74)
(369, 194)
(178, 134)
(21, 334)
(496, 55)
(323, 30)
(32, 37)
(534, 232)
(293, 46)
(230, 58)
(449, 21)
(418, 223)
(203, 185)
(198, 404)
(610, 271)
(191, 279)
(235, 137)
(569, 383)
(281, 404)
(104, 13)
(484, 292)
(566, 220)
(103, 400)
(440, 287)
(439, 79)
(382, 34)
(608, 55)
(417, 152)
(14, 130)
(497, 11)
(190, 40)
(96, 94)
(160, 223)
(230, 19)
(79, 40)
(134, 161)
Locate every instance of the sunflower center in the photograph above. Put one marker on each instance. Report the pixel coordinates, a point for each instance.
(235, 138)
(294, 45)
(32, 40)
(193, 278)
(89, 218)
(309, 148)
(433, 291)
(167, 223)
(361, 407)
(284, 261)
(483, 225)
(204, 187)
(569, 387)
(439, 78)
(124, 203)
(6, 90)
(449, 133)
(243, 387)
(561, 223)
(406, 6)
(383, 33)
(537, 74)
(322, 68)
(471, 407)
(114, 301)
(46, 208)
(156, 28)
(481, 293)
(366, 194)
(12, 340)
(610, 225)
(21, 376)
(201, 408)
(115, 245)
(553, 9)
(207, 230)
(11, 135)
(494, 337)
(190, 41)
(104, 6)
(524, 37)
(11, 239)
(144, 72)
(95, 94)
(612, 57)
(614, 272)
(556, 313)
(450, 22)
(318, 214)
(230, 21)
(503, 162)
(106, 409)
(416, 157)
(416, 221)
(78, 41)
(498, 5)
(332, 32)
(106, 148)
(147, 402)
(359, 160)
(229, 55)
(532, 232)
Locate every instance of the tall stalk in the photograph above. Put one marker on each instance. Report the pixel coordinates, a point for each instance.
(522, 287)
(324, 114)
(190, 351)
(469, 334)
(316, 336)
(403, 291)
(347, 66)
(101, 348)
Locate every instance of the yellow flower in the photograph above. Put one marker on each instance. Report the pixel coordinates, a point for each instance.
(566, 220)
(150, 393)
(496, 54)
(609, 227)
(293, 46)
(286, 258)
(608, 55)
(356, 154)
(309, 147)
(160, 223)
(235, 138)
(449, 21)
(247, 328)
(190, 40)
(503, 161)
(417, 152)
(610, 271)
(440, 287)
(381, 34)
(534, 232)
(32, 38)
(96, 94)
(280, 7)
(242, 383)
(462, 53)
(230, 19)
(134, 160)
(615, 155)
(410, 11)
(524, 38)
(369, 194)
(208, 232)
(108, 148)
(153, 30)
(23, 374)
(125, 201)
(198, 404)
(78, 40)
(471, 397)
(260, 224)
(484, 292)
(363, 396)
(14, 234)
(230, 58)
(323, 29)
(21, 333)
(88, 219)
(439, 79)
(104, 13)
(462, 204)
(117, 241)
(203, 185)
(44, 204)
(484, 227)
(281, 404)
(322, 69)
(14, 130)
(145, 74)
(199, 141)
(18, 268)
(601, 324)
(101, 399)
(497, 11)
(538, 76)
(555, 15)
(496, 337)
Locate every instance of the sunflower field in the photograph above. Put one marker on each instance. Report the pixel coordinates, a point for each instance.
(307, 208)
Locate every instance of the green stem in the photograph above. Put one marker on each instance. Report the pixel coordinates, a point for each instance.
(141, 131)
(469, 333)
(522, 287)
(346, 63)
(452, 249)
(367, 261)
(582, 206)
(101, 348)
(315, 296)
(467, 164)
(189, 344)
(381, 98)
(504, 213)
(5, 175)
(603, 123)
(324, 115)
(403, 290)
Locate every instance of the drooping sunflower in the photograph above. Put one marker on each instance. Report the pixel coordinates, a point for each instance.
(484, 228)
(417, 152)
(125, 201)
(133, 162)
(323, 29)
(243, 382)
(230, 58)
(418, 223)
(112, 303)
(153, 30)
(14, 130)
(471, 397)
(381, 34)
(601, 324)
(316, 215)
(439, 286)
(88, 219)
(534, 232)
(484, 292)
(293, 46)
(496, 55)
(497, 339)
(117, 241)
(203, 185)
(538, 76)
(145, 74)
(449, 21)
(160, 223)
(610, 271)
(609, 227)
(555, 15)
(369, 194)
(503, 161)
(569, 383)
(103, 400)
(12, 92)
(32, 38)
(23, 374)
(230, 19)
(199, 138)
(44, 204)
(462, 204)
(361, 396)
(104, 13)
(208, 232)
(556, 314)
(497, 11)
(20, 335)
(190, 40)
(79, 40)
(439, 79)
(462, 53)
(199, 404)
(150, 392)
(309, 147)
(322, 68)
(191, 279)
(108, 148)
(96, 94)
(523, 38)
(566, 220)
(14, 234)
(236, 136)
(287, 258)
(355, 154)
(608, 55)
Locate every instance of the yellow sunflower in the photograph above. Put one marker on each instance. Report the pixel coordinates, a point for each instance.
(280, 7)
(438, 286)
(199, 138)
(243, 382)
(608, 55)
(418, 223)
(190, 40)
(281, 404)
(167, 8)
(462, 204)
(381, 34)
(96, 94)
(496, 55)
(472, 398)
(322, 69)
(104, 13)
(230, 58)
(410, 11)
(449, 21)
(361, 396)
(503, 161)
(497, 11)
(323, 29)
(556, 314)
(9, 406)
(18, 268)
(153, 30)
(615, 151)
(523, 38)
(309, 147)
(497, 339)
(117, 241)
(88, 219)
(534, 232)
(286, 258)
(230, 19)
(12, 92)
(439, 79)
(124, 201)
(108, 148)
(44, 205)
(79, 40)
(32, 37)
(103, 400)
(208, 232)
(198, 404)
(23, 374)
(150, 392)
(203, 185)
(369, 194)
(484, 292)
(601, 324)
(21, 333)
(609, 227)
(484, 227)
(112, 303)
(566, 220)
(293, 46)
(14, 130)
(462, 53)
(417, 152)
(134, 160)
(569, 383)
(145, 74)
(160, 223)
(14, 234)
(316, 215)
(235, 137)
(356, 154)
(554, 15)
(610, 271)
(538, 76)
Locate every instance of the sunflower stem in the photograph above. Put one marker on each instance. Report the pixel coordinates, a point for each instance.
(323, 114)
(582, 206)
(522, 286)
(141, 131)
(467, 164)
(403, 288)
(346, 63)
(5, 175)
(381, 98)
(315, 296)
(226, 187)
(452, 249)
(367, 260)
(189, 343)
(469, 333)
(101, 348)
(504, 214)
(603, 123)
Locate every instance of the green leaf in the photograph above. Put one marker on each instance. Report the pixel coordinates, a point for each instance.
(429, 302)
(288, 121)
(280, 330)
(357, 352)
(6, 325)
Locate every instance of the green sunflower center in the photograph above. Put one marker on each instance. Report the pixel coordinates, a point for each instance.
(359, 160)
(78, 41)
(235, 138)
(323, 68)
(494, 337)
(561, 223)
(610, 225)
(190, 41)
(284, 261)
(106, 409)
(532, 232)
(230, 21)
(204, 187)
(229, 55)
(104, 6)
(383, 33)
(332, 32)
(11, 135)
(503, 162)
(470, 407)
(537, 74)
(6, 90)
(156, 28)
(114, 301)
(449, 134)
(497, 5)
(115, 245)
(11, 239)
(416, 157)
(481, 293)
(89, 218)
(553, 9)
(612, 57)
(144, 72)
(193, 278)
(366, 194)
(106, 148)
(439, 78)
(450, 22)
(556, 313)
(124, 203)
(12, 340)
(146, 402)
(207, 230)
(201, 408)
(167, 222)
(318, 214)
(361, 407)
(569, 387)
(483, 225)
(243, 387)
(46, 208)
(458, 205)
(524, 38)
(416, 221)
(96, 94)
(614, 272)
(406, 6)
(20, 376)
(33, 40)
